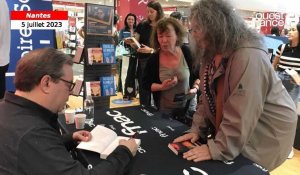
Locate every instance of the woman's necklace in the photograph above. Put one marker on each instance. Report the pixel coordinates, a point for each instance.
(208, 95)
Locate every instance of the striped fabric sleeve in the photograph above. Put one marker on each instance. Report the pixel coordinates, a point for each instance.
(278, 51)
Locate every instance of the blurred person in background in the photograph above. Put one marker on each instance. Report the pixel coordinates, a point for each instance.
(288, 57)
(142, 34)
(275, 31)
(284, 32)
(115, 30)
(178, 16)
(129, 88)
(4, 45)
(81, 32)
(130, 23)
(244, 108)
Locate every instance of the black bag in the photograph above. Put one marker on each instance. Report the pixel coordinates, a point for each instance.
(130, 90)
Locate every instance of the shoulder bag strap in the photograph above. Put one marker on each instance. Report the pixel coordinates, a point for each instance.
(220, 93)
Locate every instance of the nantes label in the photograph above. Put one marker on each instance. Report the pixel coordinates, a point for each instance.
(39, 20)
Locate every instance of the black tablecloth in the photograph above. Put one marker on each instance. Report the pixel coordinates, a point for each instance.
(154, 156)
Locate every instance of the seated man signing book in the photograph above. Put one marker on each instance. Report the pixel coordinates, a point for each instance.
(31, 143)
(104, 141)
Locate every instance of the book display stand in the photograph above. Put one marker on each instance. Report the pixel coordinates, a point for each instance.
(71, 36)
(98, 33)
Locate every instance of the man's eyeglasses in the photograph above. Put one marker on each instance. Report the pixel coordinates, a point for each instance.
(71, 84)
(195, 29)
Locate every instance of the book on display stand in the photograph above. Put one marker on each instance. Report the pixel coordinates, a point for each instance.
(95, 56)
(108, 87)
(108, 51)
(93, 88)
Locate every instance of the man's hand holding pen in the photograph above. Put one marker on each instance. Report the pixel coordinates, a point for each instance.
(134, 135)
(130, 144)
(82, 136)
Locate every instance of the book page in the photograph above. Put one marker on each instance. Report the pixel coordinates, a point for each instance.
(133, 40)
(102, 137)
(114, 145)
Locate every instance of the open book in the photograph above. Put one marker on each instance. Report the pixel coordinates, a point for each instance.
(104, 141)
(133, 40)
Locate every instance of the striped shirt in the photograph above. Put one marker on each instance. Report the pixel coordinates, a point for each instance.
(290, 58)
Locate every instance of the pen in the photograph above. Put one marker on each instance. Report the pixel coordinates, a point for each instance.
(134, 135)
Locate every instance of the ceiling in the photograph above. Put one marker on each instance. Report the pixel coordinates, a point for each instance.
(291, 6)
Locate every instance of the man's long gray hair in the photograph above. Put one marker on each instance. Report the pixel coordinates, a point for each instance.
(224, 30)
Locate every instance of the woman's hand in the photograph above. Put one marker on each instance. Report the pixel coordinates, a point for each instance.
(130, 42)
(127, 41)
(130, 144)
(199, 153)
(145, 49)
(82, 136)
(169, 83)
(193, 137)
(195, 87)
(193, 91)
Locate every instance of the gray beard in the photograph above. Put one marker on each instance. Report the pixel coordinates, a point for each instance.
(200, 55)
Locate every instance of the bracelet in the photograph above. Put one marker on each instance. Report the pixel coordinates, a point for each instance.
(152, 51)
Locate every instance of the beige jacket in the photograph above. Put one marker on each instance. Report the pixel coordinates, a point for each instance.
(259, 117)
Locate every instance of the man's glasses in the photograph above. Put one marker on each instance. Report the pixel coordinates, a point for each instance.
(71, 84)
(195, 29)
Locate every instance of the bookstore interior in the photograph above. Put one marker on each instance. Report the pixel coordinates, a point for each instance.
(97, 72)
(259, 15)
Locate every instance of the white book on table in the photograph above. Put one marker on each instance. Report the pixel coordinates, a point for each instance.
(104, 141)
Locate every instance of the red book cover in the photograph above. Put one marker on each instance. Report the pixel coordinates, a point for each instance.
(181, 147)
